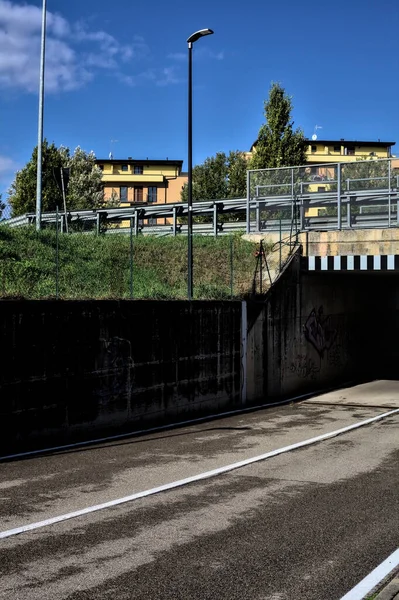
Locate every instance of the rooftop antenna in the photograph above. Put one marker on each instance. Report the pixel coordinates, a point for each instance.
(111, 155)
(316, 127)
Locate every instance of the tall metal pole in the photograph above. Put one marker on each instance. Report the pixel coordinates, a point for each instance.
(193, 38)
(40, 126)
(190, 176)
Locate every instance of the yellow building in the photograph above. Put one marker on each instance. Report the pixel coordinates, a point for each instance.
(321, 152)
(333, 151)
(135, 182)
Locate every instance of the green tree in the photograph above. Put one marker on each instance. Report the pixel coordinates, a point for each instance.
(210, 179)
(218, 177)
(22, 192)
(278, 144)
(237, 165)
(85, 189)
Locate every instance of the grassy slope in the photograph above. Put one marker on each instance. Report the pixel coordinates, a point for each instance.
(90, 266)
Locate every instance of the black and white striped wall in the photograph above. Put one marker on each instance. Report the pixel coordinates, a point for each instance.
(357, 262)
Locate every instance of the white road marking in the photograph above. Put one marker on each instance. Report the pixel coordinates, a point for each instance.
(194, 478)
(374, 578)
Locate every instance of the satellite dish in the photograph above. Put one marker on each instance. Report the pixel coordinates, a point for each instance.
(314, 137)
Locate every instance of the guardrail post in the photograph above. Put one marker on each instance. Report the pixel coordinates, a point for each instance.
(257, 216)
(98, 223)
(215, 219)
(339, 223)
(136, 222)
(174, 221)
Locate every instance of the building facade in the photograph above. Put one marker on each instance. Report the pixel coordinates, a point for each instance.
(132, 182)
(332, 151)
(322, 156)
(328, 152)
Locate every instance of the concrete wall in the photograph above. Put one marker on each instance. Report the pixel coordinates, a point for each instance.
(74, 370)
(339, 243)
(350, 241)
(320, 330)
(79, 370)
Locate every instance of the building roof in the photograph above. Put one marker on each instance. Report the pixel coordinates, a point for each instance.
(344, 142)
(137, 161)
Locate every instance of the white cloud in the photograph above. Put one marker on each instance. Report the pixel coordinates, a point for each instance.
(7, 166)
(8, 169)
(167, 76)
(74, 53)
(160, 77)
(200, 52)
(178, 56)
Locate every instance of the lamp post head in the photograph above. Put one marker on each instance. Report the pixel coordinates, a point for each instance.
(198, 34)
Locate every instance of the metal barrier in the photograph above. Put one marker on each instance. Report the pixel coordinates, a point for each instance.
(360, 194)
(327, 196)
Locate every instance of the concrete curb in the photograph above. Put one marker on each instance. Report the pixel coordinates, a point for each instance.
(390, 591)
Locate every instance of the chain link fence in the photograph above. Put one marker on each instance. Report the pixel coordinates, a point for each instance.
(359, 193)
(5, 210)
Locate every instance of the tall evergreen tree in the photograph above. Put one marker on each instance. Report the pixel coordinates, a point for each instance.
(278, 144)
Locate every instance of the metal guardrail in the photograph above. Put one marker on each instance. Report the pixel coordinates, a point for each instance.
(334, 191)
(289, 205)
(264, 208)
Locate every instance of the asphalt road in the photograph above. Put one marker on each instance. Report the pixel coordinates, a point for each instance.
(305, 525)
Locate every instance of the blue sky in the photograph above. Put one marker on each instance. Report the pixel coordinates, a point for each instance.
(118, 71)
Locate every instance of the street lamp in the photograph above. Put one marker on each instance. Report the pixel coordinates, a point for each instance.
(193, 38)
(40, 124)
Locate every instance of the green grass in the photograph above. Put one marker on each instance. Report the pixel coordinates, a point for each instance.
(39, 265)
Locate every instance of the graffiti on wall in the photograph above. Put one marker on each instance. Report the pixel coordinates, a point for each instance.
(305, 367)
(116, 353)
(319, 332)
